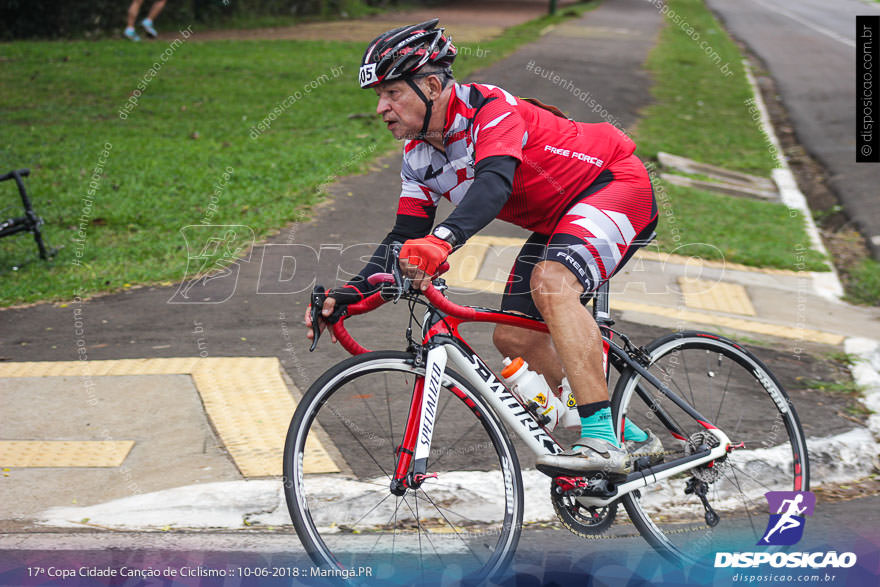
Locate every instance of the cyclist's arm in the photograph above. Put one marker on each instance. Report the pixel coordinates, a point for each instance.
(406, 227)
(493, 184)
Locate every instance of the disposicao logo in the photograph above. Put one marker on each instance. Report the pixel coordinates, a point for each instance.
(786, 525)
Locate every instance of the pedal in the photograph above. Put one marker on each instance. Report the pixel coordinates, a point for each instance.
(600, 487)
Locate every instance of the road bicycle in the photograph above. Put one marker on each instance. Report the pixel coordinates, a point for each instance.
(403, 460)
(30, 222)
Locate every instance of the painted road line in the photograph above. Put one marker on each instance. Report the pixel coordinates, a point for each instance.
(63, 453)
(246, 400)
(716, 296)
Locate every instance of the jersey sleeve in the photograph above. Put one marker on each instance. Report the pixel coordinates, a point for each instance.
(498, 130)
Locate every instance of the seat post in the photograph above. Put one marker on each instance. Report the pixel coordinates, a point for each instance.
(601, 309)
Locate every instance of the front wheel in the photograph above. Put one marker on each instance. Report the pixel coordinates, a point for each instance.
(739, 395)
(340, 456)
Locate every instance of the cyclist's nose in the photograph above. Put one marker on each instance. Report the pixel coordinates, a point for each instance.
(382, 106)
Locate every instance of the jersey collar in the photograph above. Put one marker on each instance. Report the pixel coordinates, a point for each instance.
(450, 111)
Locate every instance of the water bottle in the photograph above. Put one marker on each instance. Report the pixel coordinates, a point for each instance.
(534, 392)
(570, 417)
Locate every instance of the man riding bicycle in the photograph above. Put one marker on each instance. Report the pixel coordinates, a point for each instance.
(578, 187)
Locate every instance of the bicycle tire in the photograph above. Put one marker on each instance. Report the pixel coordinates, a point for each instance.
(774, 457)
(474, 542)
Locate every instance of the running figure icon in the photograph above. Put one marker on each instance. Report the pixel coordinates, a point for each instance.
(790, 508)
(788, 519)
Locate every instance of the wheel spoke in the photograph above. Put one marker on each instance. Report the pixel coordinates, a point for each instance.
(724, 378)
(358, 440)
(381, 501)
(390, 424)
(456, 443)
(451, 525)
(368, 520)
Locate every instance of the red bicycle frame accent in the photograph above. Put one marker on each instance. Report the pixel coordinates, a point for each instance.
(455, 316)
(462, 313)
(407, 447)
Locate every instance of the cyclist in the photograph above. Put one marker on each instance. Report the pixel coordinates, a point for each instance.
(578, 187)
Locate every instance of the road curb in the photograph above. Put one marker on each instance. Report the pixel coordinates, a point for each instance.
(827, 284)
(866, 374)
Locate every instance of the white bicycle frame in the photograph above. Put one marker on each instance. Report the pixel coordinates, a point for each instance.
(518, 420)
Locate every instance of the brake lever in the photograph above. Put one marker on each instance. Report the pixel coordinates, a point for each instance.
(403, 283)
(317, 304)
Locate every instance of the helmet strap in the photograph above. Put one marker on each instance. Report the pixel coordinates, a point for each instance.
(429, 105)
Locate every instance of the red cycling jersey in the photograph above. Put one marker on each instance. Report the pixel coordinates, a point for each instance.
(559, 158)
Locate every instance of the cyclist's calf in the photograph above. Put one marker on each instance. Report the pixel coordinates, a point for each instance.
(535, 348)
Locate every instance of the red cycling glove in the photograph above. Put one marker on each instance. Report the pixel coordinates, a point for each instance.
(427, 253)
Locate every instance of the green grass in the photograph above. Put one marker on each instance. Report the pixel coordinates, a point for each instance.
(159, 177)
(848, 387)
(844, 359)
(60, 105)
(863, 283)
(737, 230)
(701, 110)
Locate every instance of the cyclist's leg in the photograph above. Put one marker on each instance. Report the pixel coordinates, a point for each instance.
(592, 239)
(534, 347)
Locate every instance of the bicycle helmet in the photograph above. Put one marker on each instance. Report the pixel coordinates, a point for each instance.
(400, 53)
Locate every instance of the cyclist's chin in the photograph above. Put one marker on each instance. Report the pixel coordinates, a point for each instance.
(401, 133)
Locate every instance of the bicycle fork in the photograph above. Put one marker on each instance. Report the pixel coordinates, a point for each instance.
(416, 444)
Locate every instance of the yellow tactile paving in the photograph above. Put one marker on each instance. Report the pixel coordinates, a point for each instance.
(182, 366)
(466, 263)
(64, 453)
(249, 405)
(717, 296)
(647, 255)
(697, 261)
(458, 277)
(246, 400)
(732, 323)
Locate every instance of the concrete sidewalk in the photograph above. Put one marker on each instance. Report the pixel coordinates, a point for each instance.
(173, 398)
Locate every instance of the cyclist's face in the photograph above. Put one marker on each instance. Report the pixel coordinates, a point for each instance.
(400, 108)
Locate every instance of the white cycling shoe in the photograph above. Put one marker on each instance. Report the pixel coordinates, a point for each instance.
(587, 456)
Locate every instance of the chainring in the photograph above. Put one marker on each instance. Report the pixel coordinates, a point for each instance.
(579, 519)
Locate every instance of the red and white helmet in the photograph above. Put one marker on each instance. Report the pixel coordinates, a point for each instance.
(401, 52)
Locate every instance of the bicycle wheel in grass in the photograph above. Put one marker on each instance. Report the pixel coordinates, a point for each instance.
(738, 394)
(340, 456)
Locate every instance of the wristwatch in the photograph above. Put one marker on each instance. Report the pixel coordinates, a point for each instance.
(444, 234)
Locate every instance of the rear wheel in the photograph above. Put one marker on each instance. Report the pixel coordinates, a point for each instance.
(340, 456)
(732, 388)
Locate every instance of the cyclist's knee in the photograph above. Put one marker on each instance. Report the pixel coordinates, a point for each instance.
(511, 341)
(504, 339)
(551, 284)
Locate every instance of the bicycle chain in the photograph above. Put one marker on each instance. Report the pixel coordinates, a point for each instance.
(603, 535)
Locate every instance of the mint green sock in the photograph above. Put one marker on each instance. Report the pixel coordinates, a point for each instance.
(599, 426)
(633, 432)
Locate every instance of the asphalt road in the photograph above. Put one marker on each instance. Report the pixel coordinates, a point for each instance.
(808, 46)
(546, 555)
